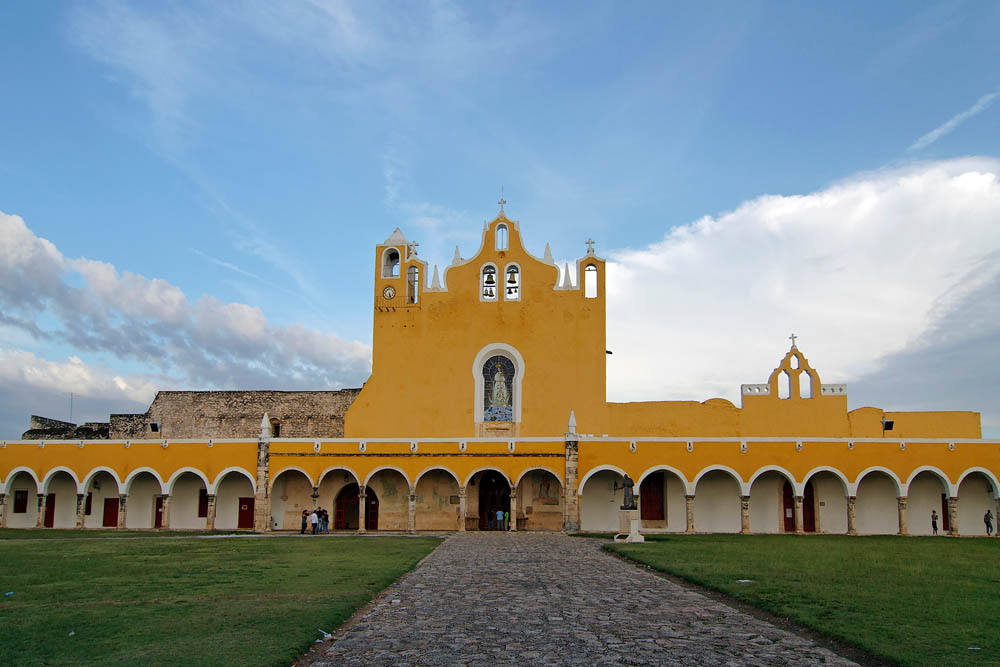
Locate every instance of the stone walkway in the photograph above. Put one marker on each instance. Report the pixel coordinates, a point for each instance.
(531, 598)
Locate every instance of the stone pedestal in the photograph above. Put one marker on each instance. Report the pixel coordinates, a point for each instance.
(628, 527)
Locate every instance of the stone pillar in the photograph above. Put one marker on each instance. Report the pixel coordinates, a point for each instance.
(901, 510)
(165, 517)
(571, 504)
(40, 519)
(461, 509)
(262, 497)
(210, 519)
(953, 517)
(122, 511)
(513, 512)
(851, 515)
(362, 507)
(81, 505)
(745, 515)
(689, 510)
(3, 510)
(411, 511)
(797, 502)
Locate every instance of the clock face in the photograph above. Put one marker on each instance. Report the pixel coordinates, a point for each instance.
(389, 292)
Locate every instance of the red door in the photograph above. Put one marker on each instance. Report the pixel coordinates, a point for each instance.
(809, 509)
(110, 513)
(788, 508)
(158, 516)
(50, 511)
(945, 519)
(651, 497)
(245, 520)
(345, 513)
(371, 510)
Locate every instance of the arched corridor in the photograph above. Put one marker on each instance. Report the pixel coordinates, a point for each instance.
(539, 501)
(436, 505)
(291, 492)
(717, 503)
(600, 501)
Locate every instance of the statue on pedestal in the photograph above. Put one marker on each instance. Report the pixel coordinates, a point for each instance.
(628, 502)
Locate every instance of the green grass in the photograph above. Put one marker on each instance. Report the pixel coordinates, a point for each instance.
(72, 534)
(191, 601)
(913, 601)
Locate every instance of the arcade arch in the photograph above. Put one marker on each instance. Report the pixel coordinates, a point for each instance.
(601, 495)
(487, 491)
(976, 495)
(291, 492)
(876, 507)
(717, 502)
(926, 492)
(539, 501)
(436, 500)
(660, 497)
(830, 489)
(234, 501)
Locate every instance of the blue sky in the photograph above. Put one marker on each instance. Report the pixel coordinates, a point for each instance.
(211, 178)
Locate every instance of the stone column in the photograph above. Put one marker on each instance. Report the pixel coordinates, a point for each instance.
(210, 519)
(745, 515)
(411, 511)
(513, 512)
(571, 504)
(851, 515)
(262, 497)
(3, 510)
(689, 508)
(362, 507)
(953, 517)
(165, 517)
(122, 511)
(901, 509)
(40, 519)
(461, 509)
(797, 502)
(81, 505)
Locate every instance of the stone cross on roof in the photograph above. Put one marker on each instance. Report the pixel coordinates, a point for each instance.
(792, 338)
(502, 200)
(590, 246)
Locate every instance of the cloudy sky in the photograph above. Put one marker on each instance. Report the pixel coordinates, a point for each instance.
(190, 191)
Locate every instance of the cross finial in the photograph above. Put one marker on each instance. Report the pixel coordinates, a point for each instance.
(413, 248)
(792, 338)
(502, 200)
(590, 246)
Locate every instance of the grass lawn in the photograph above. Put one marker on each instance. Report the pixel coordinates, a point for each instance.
(915, 601)
(191, 601)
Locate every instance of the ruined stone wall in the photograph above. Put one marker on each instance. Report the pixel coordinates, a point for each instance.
(43, 428)
(237, 414)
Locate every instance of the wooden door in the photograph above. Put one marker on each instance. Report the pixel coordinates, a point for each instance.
(158, 513)
(945, 519)
(50, 510)
(788, 508)
(345, 510)
(651, 497)
(245, 519)
(110, 513)
(371, 510)
(809, 509)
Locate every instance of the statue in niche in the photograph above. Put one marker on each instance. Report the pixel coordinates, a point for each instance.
(500, 397)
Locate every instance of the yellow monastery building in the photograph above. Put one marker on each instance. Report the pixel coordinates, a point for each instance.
(488, 392)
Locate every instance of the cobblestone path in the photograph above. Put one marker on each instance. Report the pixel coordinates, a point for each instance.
(530, 598)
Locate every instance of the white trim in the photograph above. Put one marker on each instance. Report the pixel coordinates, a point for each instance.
(90, 476)
(688, 487)
(744, 488)
(357, 480)
(477, 377)
(943, 478)
(381, 468)
(423, 472)
(830, 469)
(222, 473)
(497, 276)
(381, 268)
(593, 471)
(581, 437)
(797, 488)
(484, 469)
(989, 475)
(871, 469)
(52, 473)
(127, 483)
(274, 477)
(180, 471)
(524, 472)
(13, 473)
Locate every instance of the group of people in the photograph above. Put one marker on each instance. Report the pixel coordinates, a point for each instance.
(987, 519)
(499, 520)
(316, 520)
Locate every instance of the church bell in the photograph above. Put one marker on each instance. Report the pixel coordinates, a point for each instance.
(489, 279)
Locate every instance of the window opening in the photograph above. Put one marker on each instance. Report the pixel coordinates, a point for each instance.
(784, 385)
(489, 283)
(412, 284)
(590, 282)
(501, 237)
(512, 285)
(794, 361)
(805, 385)
(390, 263)
(498, 389)
(275, 428)
(20, 501)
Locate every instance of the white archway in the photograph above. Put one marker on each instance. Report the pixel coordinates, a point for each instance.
(55, 471)
(127, 483)
(13, 473)
(485, 353)
(593, 471)
(88, 478)
(276, 475)
(379, 469)
(744, 487)
(237, 469)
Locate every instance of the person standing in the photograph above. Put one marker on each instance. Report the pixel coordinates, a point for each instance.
(934, 518)
(314, 522)
(988, 520)
(500, 524)
(305, 521)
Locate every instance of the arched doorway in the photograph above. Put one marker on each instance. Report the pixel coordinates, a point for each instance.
(291, 492)
(436, 501)
(717, 503)
(875, 509)
(808, 508)
(539, 501)
(600, 497)
(975, 497)
(494, 495)
(347, 505)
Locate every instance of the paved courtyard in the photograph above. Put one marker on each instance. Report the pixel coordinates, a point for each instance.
(530, 598)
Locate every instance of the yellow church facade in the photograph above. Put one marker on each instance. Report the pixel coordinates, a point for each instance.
(487, 394)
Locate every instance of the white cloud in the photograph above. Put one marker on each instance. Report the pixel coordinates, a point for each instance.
(19, 368)
(981, 105)
(862, 271)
